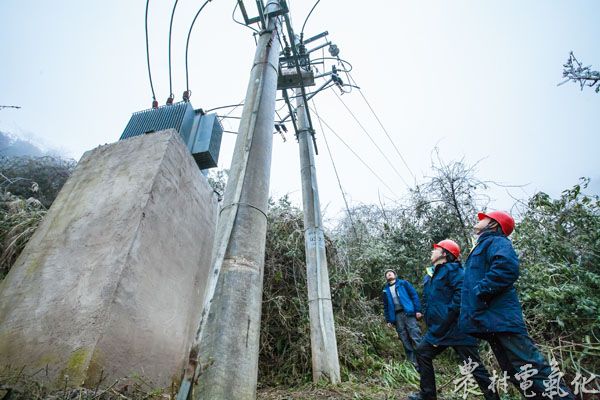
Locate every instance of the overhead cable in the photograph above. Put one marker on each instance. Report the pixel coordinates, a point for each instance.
(154, 102)
(372, 140)
(355, 154)
(306, 20)
(187, 44)
(383, 127)
(170, 31)
(337, 176)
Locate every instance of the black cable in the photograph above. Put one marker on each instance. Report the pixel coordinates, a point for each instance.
(221, 107)
(305, 20)
(148, 53)
(170, 30)
(238, 22)
(309, 96)
(337, 176)
(340, 60)
(355, 154)
(347, 77)
(282, 106)
(187, 44)
(277, 113)
(234, 106)
(385, 130)
(371, 138)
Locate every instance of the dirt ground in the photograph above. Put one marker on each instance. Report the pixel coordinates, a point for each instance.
(341, 392)
(345, 391)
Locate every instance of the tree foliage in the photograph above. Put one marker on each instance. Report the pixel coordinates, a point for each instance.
(37, 177)
(28, 186)
(559, 241)
(363, 342)
(19, 218)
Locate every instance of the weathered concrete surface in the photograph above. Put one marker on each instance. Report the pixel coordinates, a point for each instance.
(113, 278)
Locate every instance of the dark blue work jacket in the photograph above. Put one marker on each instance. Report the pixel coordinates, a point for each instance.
(489, 300)
(409, 299)
(441, 305)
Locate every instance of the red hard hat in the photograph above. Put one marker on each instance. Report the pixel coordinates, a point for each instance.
(506, 222)
(450, 246)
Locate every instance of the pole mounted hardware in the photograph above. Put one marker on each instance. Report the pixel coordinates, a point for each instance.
(273, 8)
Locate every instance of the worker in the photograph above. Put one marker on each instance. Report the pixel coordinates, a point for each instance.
(402, 309)
(490, 309)
(441, 307)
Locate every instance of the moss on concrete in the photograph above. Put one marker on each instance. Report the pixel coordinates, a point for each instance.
(34, 263)
(74, 372)
(95, 370)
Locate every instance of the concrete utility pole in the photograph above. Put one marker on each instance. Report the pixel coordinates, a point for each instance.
(324, 352)
(229, 344)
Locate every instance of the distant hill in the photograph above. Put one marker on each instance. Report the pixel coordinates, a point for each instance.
(13, 146)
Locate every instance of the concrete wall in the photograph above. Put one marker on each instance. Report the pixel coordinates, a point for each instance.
(112, 281)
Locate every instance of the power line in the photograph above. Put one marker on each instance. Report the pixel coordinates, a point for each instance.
(241, 103)
(336, 172)
(383, 127)
(355, 154)
(170, 30)
(306, 20)
(233, 107)
(148, 57)
(187, 44)
(371, 138)
(221, 107)
(339, 60)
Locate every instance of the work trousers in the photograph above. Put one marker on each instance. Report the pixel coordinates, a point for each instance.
(513, 351)
(426, 352)
(409, 333)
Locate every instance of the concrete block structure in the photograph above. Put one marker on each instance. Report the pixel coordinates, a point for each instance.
(112, 281)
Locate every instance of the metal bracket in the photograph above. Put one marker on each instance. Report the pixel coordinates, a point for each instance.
(273, 8)
(247, 21)
(289, 104)
(290, 79)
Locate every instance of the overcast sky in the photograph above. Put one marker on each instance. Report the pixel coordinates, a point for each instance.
(476, 78)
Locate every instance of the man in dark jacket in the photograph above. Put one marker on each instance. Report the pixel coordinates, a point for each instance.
(402, 309)
(441, 305)
(490, 308)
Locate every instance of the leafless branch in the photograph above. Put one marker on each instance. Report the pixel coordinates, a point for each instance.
(576, 72)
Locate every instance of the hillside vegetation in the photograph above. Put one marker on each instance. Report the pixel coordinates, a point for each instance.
(557, 240)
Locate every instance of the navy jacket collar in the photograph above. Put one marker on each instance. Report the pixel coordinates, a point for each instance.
(487, 234)
(439, 267)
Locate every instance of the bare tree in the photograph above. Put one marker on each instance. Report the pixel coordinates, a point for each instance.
(576, 72)
(454, 186)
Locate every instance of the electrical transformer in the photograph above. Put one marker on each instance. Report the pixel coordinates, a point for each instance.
(201, 132)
